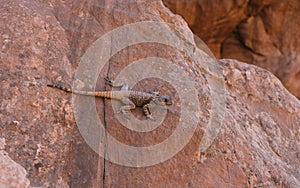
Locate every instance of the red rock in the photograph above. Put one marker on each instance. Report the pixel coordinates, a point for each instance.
(42, 42)
(263, 33)
(12, 174)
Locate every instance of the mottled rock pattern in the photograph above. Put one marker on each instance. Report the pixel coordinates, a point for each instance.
(42, 42)
(264, 33)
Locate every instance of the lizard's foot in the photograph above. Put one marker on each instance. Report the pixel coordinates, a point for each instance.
(108, 80)
(113, 83)
(125, 114)
(152, 118)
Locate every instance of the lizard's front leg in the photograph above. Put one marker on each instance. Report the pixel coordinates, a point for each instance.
(147, 112)
(129, 105)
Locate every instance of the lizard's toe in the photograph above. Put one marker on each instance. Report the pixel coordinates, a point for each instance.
(108, 80)
(152, 118)
(126, 116)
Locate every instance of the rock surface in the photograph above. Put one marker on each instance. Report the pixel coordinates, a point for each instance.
(264, 33)
(12, 174)
(43, 41)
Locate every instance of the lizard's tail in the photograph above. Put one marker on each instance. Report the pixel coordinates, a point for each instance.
(60, 87)
(105, 94)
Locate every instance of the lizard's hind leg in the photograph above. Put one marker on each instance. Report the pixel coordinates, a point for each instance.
(125, 109)
(112, 83)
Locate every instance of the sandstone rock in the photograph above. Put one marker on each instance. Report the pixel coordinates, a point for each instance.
(42, 42)
(12, 174)
(263, 33)
(31, 38)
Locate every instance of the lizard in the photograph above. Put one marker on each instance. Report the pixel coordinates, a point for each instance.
(130, 98)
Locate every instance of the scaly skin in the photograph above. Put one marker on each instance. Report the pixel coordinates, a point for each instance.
(129, 98)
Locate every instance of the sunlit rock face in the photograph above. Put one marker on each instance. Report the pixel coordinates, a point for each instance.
(42, 42)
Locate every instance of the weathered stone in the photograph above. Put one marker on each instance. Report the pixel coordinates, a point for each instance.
(42, 42)
(263, 33)
(12, 174)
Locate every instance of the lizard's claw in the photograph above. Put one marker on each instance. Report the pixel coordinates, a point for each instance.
(108, 80)
(125, 114)
(117, 112)
(152, 118)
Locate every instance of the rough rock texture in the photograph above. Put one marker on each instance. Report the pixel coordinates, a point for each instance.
(42, 42)
(264, 33)
(12, 174)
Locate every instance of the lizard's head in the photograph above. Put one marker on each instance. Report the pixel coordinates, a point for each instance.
(164, 100)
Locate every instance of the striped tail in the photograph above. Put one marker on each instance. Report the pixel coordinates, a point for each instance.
(104, 94)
